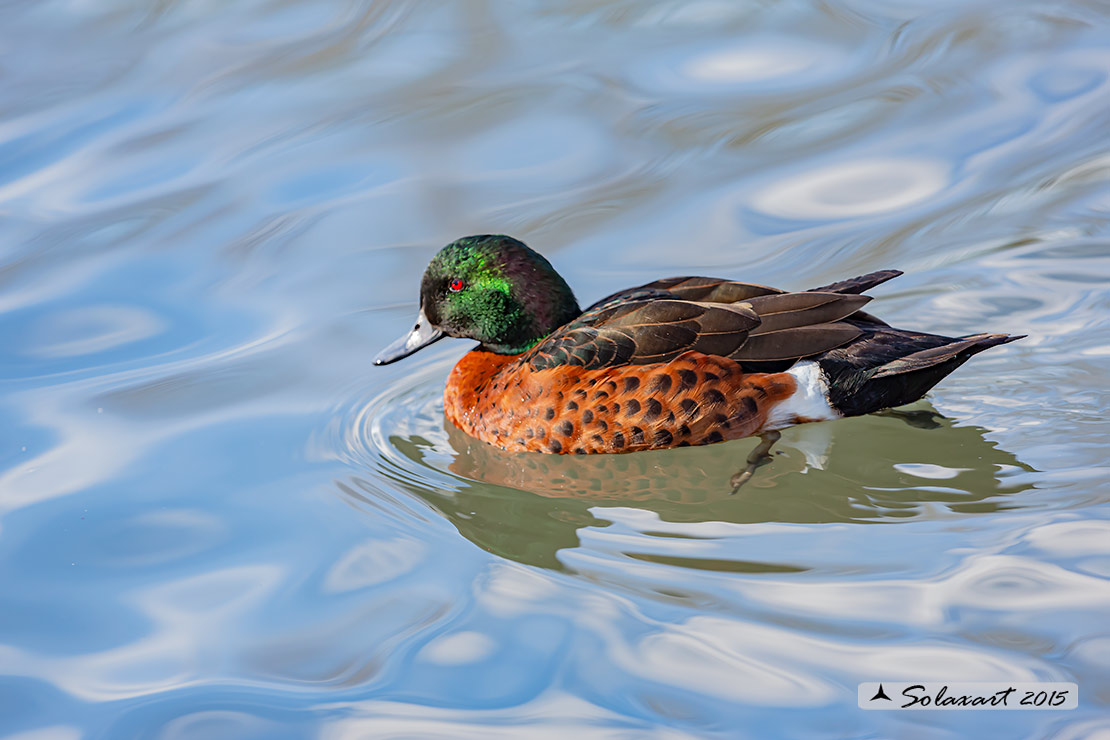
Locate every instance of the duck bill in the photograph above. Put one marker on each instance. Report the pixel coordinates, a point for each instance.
(420, 337)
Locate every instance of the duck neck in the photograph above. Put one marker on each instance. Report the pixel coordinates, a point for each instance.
(534, 318)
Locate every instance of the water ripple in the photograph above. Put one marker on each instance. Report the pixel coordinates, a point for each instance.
(218, 520)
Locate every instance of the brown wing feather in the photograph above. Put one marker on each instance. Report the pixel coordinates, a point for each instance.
(791, 344)
(646, 332)
(859, 284)
(659, 321)
(789, 310)
(710, 290)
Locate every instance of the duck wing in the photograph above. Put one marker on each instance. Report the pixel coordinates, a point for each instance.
(657, 322)
(796, 325)
(860, 284)
(729, 291)
(706, 289)
(643, 332)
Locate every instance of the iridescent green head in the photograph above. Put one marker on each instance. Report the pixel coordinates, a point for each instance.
(492, 288)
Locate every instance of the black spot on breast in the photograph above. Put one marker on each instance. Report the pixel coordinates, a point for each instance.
(687, 379)
(587, 416)
(750, 405)
(714, 437)
(654, 408)
(610, 386)
(683, 443)
(616, 408)
(555, 446)
(662, 437)
(529, 433)
(631, 383)
(618, 440)
(689, 406)
(602, 408)
(600, 395)
(549, 414)
(579, 451)
(603, 424)
(541, 433)
(712, 376)
(572, 405)
(637, 435)
(565, 428)
(713, 396)
(581, 392)
(660, 383)
(631, 407)
(597, 439)
(684, 431)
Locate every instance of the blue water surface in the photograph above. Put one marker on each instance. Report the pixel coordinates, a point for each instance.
(218, 520)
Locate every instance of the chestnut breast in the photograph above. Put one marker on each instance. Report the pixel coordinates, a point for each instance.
(691, 400)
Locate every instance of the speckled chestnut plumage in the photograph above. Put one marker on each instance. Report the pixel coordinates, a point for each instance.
(694, 399)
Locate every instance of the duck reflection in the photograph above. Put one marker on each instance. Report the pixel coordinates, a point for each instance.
(527, 506)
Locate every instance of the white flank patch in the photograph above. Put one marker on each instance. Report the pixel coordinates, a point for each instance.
(810, 401)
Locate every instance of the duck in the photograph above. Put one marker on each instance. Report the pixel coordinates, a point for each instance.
(675, 362)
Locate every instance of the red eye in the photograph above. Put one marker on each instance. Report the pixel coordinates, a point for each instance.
(456, 285)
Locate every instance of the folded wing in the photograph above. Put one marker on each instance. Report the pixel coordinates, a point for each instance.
(657, 322)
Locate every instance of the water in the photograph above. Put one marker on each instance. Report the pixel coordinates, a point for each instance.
(217, 520)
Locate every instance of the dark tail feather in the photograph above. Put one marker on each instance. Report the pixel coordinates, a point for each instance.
(860, 284)
(887, 367)
(961, 348)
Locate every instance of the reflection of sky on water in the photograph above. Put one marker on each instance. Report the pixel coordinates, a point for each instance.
(218, 521)
(853, 189)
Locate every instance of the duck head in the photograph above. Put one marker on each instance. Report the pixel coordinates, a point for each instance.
(491, 288)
